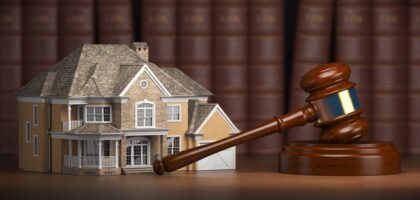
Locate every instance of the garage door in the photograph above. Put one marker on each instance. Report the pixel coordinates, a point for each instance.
(221, 160)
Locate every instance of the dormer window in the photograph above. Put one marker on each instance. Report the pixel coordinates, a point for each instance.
(98, 114)
(145, 114)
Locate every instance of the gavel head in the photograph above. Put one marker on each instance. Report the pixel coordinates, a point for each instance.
(336, 104)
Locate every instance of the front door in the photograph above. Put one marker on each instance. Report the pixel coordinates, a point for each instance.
(138, 151)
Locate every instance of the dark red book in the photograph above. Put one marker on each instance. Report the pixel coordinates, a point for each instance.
(230, 59)
(115, 23)
(158, 18)
(389, 86)
(312, 48)
(39, 39)
(414, 80)
(76, 25)
(353, 44)
(266, 70)
(10, 73)
(194, 39)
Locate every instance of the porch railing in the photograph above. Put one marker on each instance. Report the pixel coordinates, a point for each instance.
(89, 161)
(74, 124)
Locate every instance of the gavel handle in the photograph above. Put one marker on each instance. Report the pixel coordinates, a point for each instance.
(278, 124)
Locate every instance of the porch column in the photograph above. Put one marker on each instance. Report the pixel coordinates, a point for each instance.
(100, 154)
(116, 154)
(70, 153)
(79, 153)
(69, 116)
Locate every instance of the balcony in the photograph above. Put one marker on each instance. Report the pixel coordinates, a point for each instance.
(89, 161)
(73, 124)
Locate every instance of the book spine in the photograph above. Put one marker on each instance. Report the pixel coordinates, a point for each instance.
(115, 23)
(39, 37)
(389, 87)
(10, 73)
(159, 30)
(414, 80)
(266, 70)
(194, 39)
(230, 53)
(75, 25)
(353, 45)
(312, 48)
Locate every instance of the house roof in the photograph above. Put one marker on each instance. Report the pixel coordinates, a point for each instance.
(199, 113)
(99, 70)
(93, 128)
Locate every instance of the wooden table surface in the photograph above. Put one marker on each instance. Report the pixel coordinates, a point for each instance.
(255, 178)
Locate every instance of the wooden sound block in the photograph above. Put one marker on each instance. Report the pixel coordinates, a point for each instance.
(359, 159)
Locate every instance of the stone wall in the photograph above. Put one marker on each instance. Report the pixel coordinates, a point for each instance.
(136, 94)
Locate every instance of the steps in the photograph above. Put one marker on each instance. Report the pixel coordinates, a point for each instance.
(132, 170)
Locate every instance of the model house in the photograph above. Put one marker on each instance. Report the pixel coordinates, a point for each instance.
(107, 110)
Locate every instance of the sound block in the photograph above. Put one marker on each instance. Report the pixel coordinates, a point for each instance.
(359, 159)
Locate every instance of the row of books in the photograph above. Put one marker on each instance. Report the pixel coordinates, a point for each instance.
(250, 53)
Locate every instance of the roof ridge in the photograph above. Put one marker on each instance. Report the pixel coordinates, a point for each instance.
(75, 68)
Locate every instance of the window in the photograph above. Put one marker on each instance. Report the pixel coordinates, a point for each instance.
(35, 114)
(35, 146)
(145, 115)
(98, 114)
(80, 113)
(174, 113)
(173, 144)
(107, 148)
(28, 131)
(143, 84)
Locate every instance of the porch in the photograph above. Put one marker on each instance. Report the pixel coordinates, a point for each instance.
(92, 154)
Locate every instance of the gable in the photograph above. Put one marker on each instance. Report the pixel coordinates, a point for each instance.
(136, 79)
(215, 128)
(216, 123)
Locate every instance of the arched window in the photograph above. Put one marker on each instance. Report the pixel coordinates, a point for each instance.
(145, 114)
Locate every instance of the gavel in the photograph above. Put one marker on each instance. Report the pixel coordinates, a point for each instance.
(332, 104)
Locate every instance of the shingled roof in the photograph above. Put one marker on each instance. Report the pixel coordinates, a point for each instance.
(98, 70)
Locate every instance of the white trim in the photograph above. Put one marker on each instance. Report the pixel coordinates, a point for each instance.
(146, 69)
(144, 81)
(28, 131)
(218, 109)
(180, 144)
(149, 147)
(153, 114)
(180, 112)
(103, 118)
(35, 117)
(183, 99)
(35, 145)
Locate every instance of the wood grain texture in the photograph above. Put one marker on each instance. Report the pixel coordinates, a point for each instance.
(361, 159)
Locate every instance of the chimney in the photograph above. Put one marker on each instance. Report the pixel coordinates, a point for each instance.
(141, 49)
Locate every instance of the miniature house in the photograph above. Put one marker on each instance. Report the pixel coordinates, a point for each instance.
(107, 110)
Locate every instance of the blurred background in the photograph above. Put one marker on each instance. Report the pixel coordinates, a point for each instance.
(250, 53)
